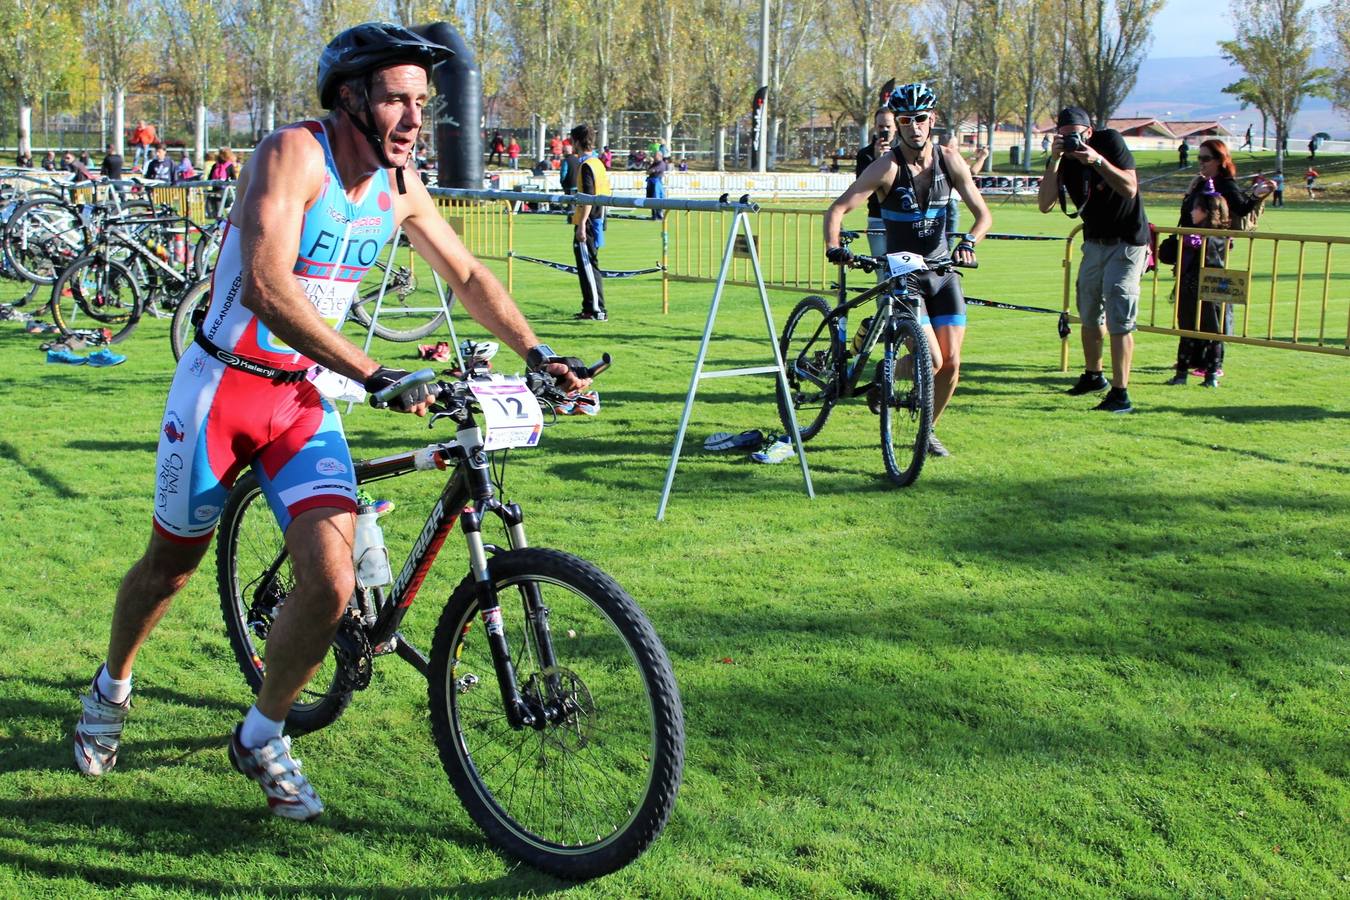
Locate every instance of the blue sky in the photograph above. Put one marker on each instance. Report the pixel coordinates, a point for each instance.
(1187, 28)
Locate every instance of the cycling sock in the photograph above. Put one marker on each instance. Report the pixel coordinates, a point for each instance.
(258, 729)
(112, 689)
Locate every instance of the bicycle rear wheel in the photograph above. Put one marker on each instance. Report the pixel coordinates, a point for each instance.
(812, 351)
(254, 575)
(42, 237)
(184, 324)
(586, 794)
(907, 403)
(96, 293)
(406, 314)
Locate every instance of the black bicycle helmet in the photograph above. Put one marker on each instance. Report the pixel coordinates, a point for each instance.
(370, 46)
(908, 99)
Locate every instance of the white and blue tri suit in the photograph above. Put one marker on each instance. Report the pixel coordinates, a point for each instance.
(219, 418)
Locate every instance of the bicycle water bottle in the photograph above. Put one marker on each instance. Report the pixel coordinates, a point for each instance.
(368, 550)
(860, 335)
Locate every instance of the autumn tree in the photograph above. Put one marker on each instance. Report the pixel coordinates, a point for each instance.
(1336, 17)
(37, 35)
(724, 68)
(1032, 63)
(1107, 40)
(1274, 47)
(115, 37)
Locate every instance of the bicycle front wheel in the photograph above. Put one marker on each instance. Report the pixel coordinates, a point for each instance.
(197, 297)
(907, 404)
(254, 574)
(812, 351)
(96, 293)
(585, 794)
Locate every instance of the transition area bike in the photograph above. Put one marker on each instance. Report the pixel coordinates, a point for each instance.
(553, 704)
(825, 367)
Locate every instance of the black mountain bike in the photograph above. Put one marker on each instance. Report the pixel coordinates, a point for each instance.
(823, 368)
(553, 703)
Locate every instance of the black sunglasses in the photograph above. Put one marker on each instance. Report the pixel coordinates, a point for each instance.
(1204, 157)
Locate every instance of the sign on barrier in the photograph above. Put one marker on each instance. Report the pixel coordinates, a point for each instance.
(1223, 286)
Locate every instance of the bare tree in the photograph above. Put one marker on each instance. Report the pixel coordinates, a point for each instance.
(607, 37)
(794, 30)
(1108, 39)
(195, 44)
(1274, 46)
(989, 50)
(272, 52)
(724, 67)
(666, 54)
(949, 23)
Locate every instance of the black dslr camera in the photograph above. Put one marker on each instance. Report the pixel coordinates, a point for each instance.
(1072, 142)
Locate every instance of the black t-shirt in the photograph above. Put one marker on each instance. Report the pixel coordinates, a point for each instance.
(1105, 213)
(867, 156)
(112, 166)
(568, 175)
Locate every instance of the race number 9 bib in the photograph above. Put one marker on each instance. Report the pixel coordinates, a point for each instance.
(511, 414)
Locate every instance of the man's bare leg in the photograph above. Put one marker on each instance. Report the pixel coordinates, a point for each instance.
(1122, 354)
(145, 594)
(320, 545)
(946, 372)
(1093, 337)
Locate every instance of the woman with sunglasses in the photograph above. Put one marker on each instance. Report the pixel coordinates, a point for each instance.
(913, 184)
(1218, 177)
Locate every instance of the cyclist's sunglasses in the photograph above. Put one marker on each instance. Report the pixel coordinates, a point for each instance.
(916, 119)
(1204, 157)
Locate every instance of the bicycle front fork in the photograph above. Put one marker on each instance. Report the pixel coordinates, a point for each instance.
(534, 712)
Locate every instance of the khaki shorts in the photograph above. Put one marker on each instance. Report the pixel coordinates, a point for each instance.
(1108, 285)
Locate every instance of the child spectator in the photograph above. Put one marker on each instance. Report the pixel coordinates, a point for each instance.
(1210, 210)
(513, 153)
(1311, 177)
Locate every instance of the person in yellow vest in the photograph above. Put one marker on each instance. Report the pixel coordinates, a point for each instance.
(588, 224)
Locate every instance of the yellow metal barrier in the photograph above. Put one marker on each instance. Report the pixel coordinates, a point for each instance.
(789, 242)
(1274, 313)
(487, 228)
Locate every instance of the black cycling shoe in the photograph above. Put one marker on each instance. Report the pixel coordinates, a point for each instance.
(1117, 400)
(935, 447)
(1177, 380)
(1089, 383)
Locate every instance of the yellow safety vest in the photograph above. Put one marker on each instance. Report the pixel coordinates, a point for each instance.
(601, 177)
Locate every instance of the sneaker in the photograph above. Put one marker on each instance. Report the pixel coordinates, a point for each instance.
(1200, 373)
(437, 352)
(591, 317)
(1211, 380)
(935, 447)
(725, 440)
(1117, 400)
(1089, 383)
(101, 359)
(779, 451)
(98, 734)
(66, 357)
(1177, 380)
(289, 793)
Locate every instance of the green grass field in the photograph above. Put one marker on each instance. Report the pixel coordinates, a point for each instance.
(1087, 655)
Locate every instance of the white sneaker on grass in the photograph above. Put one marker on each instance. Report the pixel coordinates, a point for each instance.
(98, 734)
(289, 794)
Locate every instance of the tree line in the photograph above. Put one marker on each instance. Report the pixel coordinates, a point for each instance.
(551, 63)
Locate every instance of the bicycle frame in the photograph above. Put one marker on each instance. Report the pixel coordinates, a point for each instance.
(468, 494)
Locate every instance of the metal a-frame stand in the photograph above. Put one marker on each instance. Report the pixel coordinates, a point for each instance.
(441, 292)
(739, 225)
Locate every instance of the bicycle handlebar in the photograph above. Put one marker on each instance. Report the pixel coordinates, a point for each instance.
(872, 263)
(450, 394)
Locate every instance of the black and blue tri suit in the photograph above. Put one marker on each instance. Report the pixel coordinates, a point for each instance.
(919, 225)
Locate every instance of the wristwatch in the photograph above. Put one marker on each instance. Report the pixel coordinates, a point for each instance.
(539, 356)
(1099, 161)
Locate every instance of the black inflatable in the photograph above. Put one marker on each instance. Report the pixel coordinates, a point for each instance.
(459, 104)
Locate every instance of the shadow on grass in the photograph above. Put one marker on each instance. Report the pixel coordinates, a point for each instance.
(1271, 413)
(188, 831)
(41, 474)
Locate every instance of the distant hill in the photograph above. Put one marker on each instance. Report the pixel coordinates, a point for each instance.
(1192, 88)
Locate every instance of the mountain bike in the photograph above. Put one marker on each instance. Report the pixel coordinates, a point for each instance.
(553, 704)
(823, 367)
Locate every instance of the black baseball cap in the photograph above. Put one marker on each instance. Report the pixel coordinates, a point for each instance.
(1073, 115)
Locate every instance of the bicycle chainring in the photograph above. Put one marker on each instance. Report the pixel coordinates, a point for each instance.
(356, 661)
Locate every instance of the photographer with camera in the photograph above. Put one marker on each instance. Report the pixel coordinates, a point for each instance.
(1094, 169)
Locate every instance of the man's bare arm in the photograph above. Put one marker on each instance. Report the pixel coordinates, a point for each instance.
(965, 186)
(284, 175)
(879, 174)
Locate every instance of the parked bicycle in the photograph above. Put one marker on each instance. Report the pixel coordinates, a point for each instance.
(553, 704)
(825, 367)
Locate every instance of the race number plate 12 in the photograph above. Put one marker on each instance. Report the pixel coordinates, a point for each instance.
(511, 414)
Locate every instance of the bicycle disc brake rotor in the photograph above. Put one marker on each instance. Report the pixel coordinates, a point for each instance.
(574, 730)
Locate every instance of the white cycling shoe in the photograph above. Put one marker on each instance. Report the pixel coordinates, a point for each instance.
(289, 794)
(98, 734)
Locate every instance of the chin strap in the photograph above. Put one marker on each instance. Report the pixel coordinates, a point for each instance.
(362, 123)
